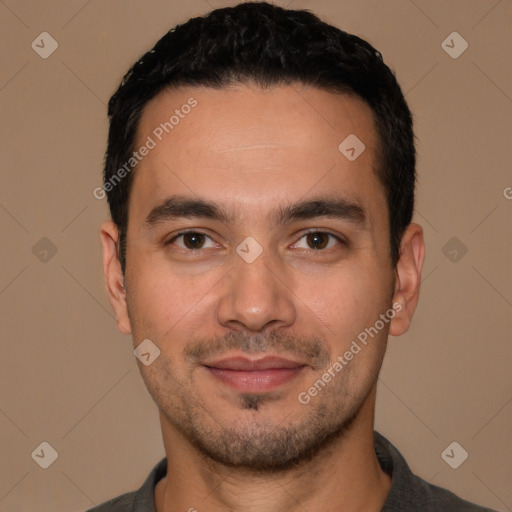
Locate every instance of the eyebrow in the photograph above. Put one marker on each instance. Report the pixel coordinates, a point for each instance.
(179, 206)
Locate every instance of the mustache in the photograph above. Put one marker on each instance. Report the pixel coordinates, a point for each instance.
(308, 349)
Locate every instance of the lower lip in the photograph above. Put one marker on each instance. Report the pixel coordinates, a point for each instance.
(256, 381)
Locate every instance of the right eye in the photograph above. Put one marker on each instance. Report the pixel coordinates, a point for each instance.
(192, 240)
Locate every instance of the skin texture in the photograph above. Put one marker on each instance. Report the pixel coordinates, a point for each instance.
(304, 298)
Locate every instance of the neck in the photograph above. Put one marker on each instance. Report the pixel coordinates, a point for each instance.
(345, 476)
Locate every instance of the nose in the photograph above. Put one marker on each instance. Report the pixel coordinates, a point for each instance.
(256, 296)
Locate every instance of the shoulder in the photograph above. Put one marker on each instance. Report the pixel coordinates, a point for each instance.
(141, 500)
(410, 492)
(123, 503)
(441, 499)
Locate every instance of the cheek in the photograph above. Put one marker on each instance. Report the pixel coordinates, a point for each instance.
(346, 300)
(162, 302)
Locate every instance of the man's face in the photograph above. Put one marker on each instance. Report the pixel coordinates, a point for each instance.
(213, 304)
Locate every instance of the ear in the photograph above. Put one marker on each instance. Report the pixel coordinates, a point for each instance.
(113, 274)
(407, 279)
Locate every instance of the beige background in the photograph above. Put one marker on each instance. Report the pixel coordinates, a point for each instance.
(70, 379)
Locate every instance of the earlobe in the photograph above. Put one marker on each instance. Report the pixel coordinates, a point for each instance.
(113, 275)
(408, 279)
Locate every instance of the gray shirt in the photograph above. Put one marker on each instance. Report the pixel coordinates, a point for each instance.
(408, 492)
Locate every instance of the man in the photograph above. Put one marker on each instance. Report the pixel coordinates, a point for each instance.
(260, 173)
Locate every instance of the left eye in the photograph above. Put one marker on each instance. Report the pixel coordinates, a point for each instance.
(318, 240)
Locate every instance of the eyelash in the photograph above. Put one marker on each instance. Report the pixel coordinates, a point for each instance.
(195, 231)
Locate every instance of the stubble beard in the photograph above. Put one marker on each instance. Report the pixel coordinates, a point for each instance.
(253, 440)
(258, 445)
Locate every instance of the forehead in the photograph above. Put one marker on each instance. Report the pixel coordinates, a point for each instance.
(252, 145)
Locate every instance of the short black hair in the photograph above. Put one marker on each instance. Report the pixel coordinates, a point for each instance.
(264, 44)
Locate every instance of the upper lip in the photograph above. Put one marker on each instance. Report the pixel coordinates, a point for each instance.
(244, 364)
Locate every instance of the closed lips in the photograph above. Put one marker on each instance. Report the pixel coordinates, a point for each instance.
(244, 364)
